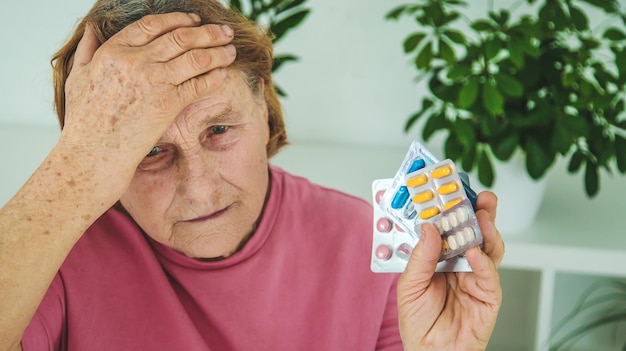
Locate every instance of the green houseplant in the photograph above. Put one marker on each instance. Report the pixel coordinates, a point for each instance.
(279, 16)
(543, 82)
(600, 306)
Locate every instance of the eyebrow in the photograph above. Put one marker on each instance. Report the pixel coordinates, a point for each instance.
(225, 115)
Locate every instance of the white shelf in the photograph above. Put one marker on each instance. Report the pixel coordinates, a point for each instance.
(571, 234)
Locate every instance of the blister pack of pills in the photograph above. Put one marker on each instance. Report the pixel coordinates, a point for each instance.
(423, 190)
(397, 201)
(438, 196)
(392, 245)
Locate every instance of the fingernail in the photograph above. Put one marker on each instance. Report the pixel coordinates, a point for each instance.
(231, 49)
(227, 30)
(195, 17)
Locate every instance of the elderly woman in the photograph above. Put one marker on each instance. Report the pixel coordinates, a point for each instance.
(158, 223)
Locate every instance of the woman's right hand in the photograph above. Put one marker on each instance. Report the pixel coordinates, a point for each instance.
(122, 95)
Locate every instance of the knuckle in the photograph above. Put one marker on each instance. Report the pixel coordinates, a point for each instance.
(195, 87)
(150, 24)
(181, 38)
(200, 58)
(212, 32)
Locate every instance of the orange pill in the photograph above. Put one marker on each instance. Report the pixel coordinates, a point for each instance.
(423, 196)
(448, 188)
(442, 172)
(417, 181)
(429, 212)
(452, 203)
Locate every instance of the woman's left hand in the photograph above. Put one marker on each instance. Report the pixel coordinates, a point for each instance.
(452, 311)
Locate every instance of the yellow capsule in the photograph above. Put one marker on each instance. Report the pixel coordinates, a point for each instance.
(429, 212)
(417, 181)
(453, 203)
(423, 196)
(448, 188)
(444, 245)
(442, 172)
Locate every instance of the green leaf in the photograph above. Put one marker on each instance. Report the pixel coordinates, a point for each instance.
(280, 60)
(620, 153)
(281, 28)
(288, 5)
(483, 26)
(426, 105)
(447, 19)
(537, 159)
(279, 90)
(453, 149)
(503, 149)
(436, 121)
(395, 13)
(581, 22)
(469, 159)
(485, 169)
(575, 161)
(562, 139)
(614, 34)
(459, 71)
(446, 52)
(465, 132)
(413, 41)
(509, 85)
(492, 99)
(592, 182)
(425, 57)
(468, 93)
(492, 48)
(609, 6)
(455, 36)
(516, 53)
(531, 48)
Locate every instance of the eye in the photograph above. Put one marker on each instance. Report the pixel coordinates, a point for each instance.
(219, 129)
(155, 150)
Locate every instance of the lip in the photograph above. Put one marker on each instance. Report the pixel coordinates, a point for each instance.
(208, 217)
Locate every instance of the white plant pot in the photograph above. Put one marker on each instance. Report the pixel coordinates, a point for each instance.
(519, 196)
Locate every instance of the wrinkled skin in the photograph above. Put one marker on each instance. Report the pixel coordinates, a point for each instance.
(452, 311)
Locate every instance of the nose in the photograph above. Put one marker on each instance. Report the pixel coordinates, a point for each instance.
(197, 174)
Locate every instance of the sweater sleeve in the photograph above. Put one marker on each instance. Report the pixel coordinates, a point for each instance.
(46, 330)
(389, 337)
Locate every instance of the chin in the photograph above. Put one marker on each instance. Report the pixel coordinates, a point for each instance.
(211, 247)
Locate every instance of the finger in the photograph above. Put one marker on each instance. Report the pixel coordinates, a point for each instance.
(487, 201)
(423, 261)
(86, 48)
(493, 245)
(197, 87)
(181, 40)
(486, 276)
(197, 62)
(150, 27)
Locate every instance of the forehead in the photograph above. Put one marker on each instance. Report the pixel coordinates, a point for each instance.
(234, 92)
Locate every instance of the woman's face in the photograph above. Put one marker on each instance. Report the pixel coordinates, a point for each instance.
(202, 188)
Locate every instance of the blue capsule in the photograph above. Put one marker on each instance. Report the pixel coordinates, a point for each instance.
(400, 198)
(417, 164)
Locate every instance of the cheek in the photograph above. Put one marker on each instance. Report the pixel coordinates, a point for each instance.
(147, 197)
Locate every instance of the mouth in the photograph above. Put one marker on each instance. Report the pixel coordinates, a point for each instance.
(208, 217)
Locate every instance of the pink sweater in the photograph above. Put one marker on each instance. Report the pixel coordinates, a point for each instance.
(302, 282)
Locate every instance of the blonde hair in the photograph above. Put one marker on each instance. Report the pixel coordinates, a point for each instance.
(253, 44)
